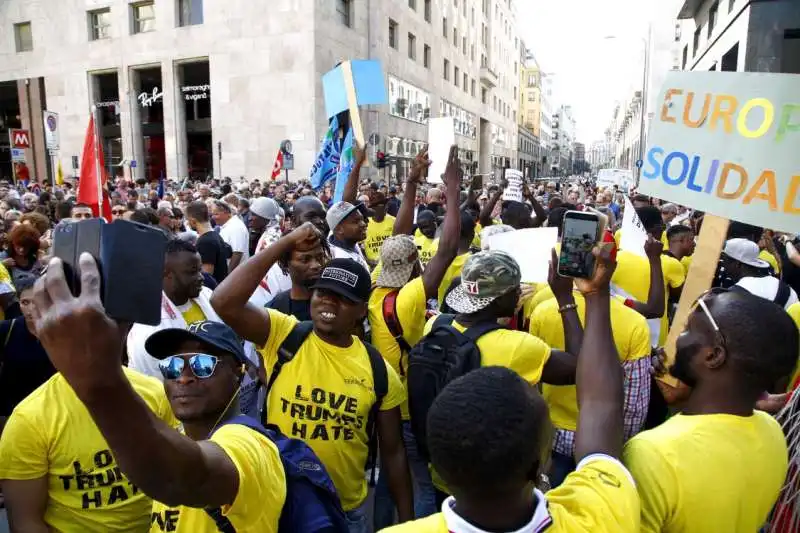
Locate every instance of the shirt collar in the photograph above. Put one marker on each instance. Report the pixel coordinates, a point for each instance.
(539, 522)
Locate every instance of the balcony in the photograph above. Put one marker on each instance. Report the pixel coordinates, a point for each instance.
(488, 77)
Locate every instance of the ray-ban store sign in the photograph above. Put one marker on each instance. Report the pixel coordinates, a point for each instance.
(147, 99)
(190, 92)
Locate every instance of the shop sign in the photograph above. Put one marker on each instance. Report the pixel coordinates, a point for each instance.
(196, 92)
(148, 99)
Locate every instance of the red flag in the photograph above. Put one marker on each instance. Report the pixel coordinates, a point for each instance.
(91, 185)
(278, 166)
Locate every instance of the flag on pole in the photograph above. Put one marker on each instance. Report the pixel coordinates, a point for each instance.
(59, 174)
(92, 186)
(327, 162)
(278, 165)
(346, 163)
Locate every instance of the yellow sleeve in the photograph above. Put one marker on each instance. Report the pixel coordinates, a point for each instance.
(6, 284)
(639, 339)
(411, 310)
(396, 394)
(655, 481)
(262, 482)
(23, 448)
(794, 312)
(529, 358)
(599, 497)
(535, 327)
(280, 325)
(674, 273)
(618, 236)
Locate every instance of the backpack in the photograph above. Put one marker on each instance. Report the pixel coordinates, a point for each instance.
(781, 295)
(380, 379)
(443, 355)
(394, 326)
(312, 503)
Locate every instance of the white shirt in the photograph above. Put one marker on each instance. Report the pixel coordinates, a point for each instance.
(235, 233)
(767, 288)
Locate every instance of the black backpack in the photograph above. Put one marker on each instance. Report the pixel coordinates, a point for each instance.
(380, 378)
(443, 355)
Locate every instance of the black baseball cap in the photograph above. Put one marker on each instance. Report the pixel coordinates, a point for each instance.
(164, 343)
(346, 277)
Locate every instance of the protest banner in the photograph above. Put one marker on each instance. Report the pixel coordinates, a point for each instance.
(531, 248)
(441, 136)
(513, 190)
(724, 143)
(632, 235)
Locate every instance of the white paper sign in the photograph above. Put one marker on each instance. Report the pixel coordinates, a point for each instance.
(531, 248)
(52, 133)
(441, 136)
(513, 190)
(633, 236)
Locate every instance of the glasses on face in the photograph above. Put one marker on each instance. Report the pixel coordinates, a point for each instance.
(706, 311)
(202, 365)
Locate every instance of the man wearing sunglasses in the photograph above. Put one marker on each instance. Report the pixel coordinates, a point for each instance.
(236, 468)
(719, 464)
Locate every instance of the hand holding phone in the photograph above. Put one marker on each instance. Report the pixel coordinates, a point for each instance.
(579, 235)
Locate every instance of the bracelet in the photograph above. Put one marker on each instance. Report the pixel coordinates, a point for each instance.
(629, 302)
(567, 307)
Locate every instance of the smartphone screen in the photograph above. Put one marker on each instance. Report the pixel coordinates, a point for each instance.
(477, 183)
(579, 236)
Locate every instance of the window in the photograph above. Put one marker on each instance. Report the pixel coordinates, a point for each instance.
(393, 34)
(426, 56)
(191, 12)
(427, 10)
(444, 27)
(696, 41)
(472, 17)
(455, 37)
(713, 12)
(23, 35)
(144, 17)
(472, 52)
(685, 56)
(343, 8)
(464, 46)
(730, 60)
(100, 24)
(466, 83)
(730, 5)
(446, 67)
(412, 4)
(472, 88)
(484, 95)
(456, 73)
(412, 47)
(408, 101)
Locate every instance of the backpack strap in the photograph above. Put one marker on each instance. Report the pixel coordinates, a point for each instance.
(782, 296)
(443, 319)
(224, 525)
(380, 380)
(394, 326)
(479, 330)
(286, 352)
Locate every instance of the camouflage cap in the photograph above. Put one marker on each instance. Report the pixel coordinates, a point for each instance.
(485, 277)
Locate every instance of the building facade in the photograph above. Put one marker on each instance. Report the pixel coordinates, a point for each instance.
(197, 88)
(563, 139)
(529, 153)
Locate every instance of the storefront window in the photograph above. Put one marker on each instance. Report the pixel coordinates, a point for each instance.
(150, 103)
(105, 92)
(195, 88)
(9, 118)
(409, 102)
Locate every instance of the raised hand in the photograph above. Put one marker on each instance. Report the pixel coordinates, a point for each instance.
(419, 167)
(453, 173)
(604, 269)
(305, 237)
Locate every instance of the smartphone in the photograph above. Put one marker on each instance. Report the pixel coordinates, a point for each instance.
(477, 182)
(130, 258)
(580, 233)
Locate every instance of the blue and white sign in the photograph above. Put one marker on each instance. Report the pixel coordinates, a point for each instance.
(133, 163)
(17, 155)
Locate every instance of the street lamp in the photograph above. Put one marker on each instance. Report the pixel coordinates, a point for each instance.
(643, 108)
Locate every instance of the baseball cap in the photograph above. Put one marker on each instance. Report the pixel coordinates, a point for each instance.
(745, 251)
(164, 343)
(266, 208)
(345, 277)
(339, 212)
(485, 277)
(398, 257)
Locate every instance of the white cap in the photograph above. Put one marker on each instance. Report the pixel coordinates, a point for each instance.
(745, 251)
(266, 208)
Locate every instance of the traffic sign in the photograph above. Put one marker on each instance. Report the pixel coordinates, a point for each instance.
(133, 163)
(17, 155)
(19, 138)
(639, 163)
(288, 161)
(52, 135)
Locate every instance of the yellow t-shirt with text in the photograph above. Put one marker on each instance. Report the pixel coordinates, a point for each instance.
(631, 336)
(632, 275)
(453, 271)
(324, 397)
(708, 472)
(51, 434)
(377, 232)
(260, 497)
(599, 497)
(426, 248)
(410, 308)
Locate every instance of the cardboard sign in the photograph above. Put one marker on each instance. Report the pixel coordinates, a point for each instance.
(513, 190)
(366, 80)
(726, 143)
(441, 136)
(632, 235)
(531, 248)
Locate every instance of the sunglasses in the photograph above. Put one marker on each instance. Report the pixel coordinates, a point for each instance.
(706, 311)
(202, 365)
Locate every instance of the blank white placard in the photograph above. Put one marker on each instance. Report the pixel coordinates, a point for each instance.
(441, 136)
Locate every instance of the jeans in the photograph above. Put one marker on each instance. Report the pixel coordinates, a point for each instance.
(424, 492)
(560, 467)
(357, 519)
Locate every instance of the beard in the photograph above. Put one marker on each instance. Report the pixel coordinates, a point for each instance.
(682, 366)
(309, 282)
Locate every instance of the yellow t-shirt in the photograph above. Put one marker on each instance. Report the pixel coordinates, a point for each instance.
(324, 397)
(191, 312)
(708, 472)
(50, 433)
(453, 271)
(259, 500)
(377, 232)
(599, 497)
(6, 286)
(769, 258)
(426, 248)
(410, 307)
(686, 262)
(632, 276)
(631, 336)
